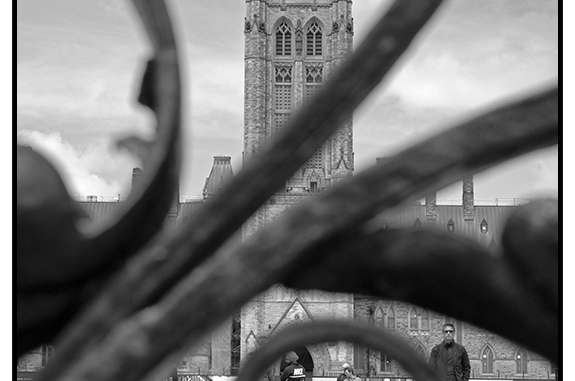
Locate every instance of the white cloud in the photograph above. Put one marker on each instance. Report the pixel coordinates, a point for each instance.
(94, 169)
(79, 70)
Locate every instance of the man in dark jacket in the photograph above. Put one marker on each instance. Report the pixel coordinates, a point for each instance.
(449, 359)
(293, 371)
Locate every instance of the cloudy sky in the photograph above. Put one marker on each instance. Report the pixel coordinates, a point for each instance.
(79, 65)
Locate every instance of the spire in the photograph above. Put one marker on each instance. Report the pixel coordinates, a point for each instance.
(220, 174)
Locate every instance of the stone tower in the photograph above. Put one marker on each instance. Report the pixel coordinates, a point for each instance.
(291, 48)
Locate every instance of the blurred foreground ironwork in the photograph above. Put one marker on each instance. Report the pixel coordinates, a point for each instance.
(127, 299)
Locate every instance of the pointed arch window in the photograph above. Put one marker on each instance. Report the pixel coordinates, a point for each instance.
(386, 363)
(379, 318)
(492, 246)
(413, 318)
(282, 95)
(483, 227)
(487, 360)
(417, 223)
(421, 351)
(424, 320)
(390, 319)
(283, 40)
(236, 343)
(47, 353)
(314, 74)
(450, 226)
(314, 40)
(313, 80)
(521, 361)
(418, 319)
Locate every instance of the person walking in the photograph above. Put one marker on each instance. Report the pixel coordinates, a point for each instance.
(449, 359)
(293, 371)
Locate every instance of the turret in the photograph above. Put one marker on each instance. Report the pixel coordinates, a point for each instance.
(220, 174)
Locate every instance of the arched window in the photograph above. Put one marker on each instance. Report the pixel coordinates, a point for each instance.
(487, 360)
(282, 95)
(413, 318)
(521, 361)
(390, 319)
(417, 223)
(313, 80)
(283, 40)
(483, 227)
(418, 319)
(47, 353)
(379, 320)
(450, 226)
(421, 351)
(424, 320)
(314, 40)
(386, 362)
(492, 247)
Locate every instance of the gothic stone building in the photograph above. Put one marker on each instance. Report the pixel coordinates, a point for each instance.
(291, 47)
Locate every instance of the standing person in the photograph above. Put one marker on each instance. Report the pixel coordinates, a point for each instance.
(293, 371)
(350, 374)
(449, 359)
(342, 375)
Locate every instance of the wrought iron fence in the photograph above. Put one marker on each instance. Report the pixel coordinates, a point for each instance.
(123, 310)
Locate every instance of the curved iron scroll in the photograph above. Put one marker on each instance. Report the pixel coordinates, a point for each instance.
(163, 297)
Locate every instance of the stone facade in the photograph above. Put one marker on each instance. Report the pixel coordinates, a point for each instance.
(477, 342)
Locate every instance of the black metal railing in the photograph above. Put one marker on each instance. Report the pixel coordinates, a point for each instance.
(122, 312)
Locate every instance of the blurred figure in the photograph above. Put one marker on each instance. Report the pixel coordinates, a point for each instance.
(342, 375)
(293, 371)
(350, 374)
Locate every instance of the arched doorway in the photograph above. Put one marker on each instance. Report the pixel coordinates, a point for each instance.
(305, 360)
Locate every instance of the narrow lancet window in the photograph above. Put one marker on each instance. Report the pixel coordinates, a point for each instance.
(314, 40)
(283, 40)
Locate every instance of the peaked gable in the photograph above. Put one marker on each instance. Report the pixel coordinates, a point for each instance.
(295, 313)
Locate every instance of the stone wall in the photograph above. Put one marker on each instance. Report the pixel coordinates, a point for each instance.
(474, 339)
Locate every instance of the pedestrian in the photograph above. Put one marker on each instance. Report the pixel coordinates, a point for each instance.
(350, 374)
(449, 359)
(293, 371)
(342, 375)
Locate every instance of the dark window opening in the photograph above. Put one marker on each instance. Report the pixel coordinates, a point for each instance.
(313, 187)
